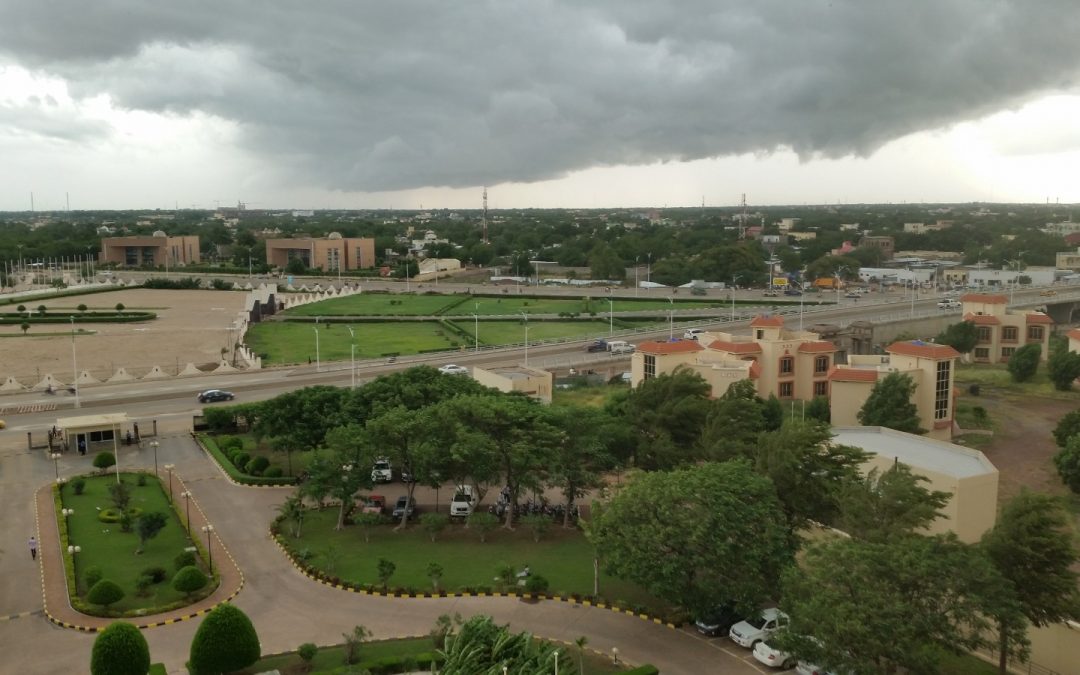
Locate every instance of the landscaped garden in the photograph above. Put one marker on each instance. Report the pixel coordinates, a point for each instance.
(254, 462)
(132, 556)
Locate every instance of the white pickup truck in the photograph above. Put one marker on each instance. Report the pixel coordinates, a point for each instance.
(462, 504)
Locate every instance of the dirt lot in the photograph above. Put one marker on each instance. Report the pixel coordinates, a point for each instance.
(191, 327)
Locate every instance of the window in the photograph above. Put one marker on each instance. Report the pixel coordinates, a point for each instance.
(942, 390)
(787, 365)
(787, 389)
(760, 334)
(821, 365)
(650, 366)
(1035, 332)
(1006, 352)
(821, 388)
(982, 353)
(984, 334)
(1009, 333)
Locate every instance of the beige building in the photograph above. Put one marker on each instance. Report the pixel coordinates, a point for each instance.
(1002, 332)
(159, 250)
(430, 268)
(332, 254)
(530, 381)
(884, 243)
(786, 364)
(932, 367)
(964, 473)
(1068, 260)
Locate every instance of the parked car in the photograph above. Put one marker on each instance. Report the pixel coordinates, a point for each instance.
(792, 291)
(402, 506)
(771, 294)
(852, 294)
(382, 472)
(771, 656)
(373, 504)
(718, 622)
(617, 347)
(753, 630)
(692, 333)
(1048, 292)
(461, 505)
(597, 346)
(214, 395)
(453, 369)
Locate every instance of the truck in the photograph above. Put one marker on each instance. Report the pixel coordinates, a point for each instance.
(598, 345)
(830, 283)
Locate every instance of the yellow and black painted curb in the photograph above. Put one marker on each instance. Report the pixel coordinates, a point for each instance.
(584, 602)
(140, 626)
(225, 474)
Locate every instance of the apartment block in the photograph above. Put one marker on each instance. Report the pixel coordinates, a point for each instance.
(886, 244)
(158, 250)
(1001, 331)
(331, 254)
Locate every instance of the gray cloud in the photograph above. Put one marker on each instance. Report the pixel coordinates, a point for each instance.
(381, 96)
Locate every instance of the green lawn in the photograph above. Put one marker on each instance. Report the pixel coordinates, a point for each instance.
(996, 377)
(295, 342)
(377, 304)
(511, 332)
(104, 545)
(586, 396)
(278, 458)
(563, 557)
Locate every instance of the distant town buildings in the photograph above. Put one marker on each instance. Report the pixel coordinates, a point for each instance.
(158, 250)
(332, 254)
(1001, 332)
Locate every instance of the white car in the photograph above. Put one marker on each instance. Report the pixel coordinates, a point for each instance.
(382, 472)
(461, 505)
(749, 632)
(692, 333)
(771, 656)
(949, 304)
(453, 369)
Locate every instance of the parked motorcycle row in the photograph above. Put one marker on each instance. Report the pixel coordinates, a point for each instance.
(532, 508)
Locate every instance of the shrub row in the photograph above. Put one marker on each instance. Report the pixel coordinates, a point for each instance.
(226, 464)
(89, 317)
(387, 665)
(644, 670)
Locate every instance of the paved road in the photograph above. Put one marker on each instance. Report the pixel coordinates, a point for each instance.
(286, 607)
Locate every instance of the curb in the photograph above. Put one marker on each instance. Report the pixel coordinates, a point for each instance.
(140, 626)
(462, 594)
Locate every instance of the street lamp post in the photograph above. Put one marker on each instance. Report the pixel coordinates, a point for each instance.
(318, 363)
(615, 654)
(526, 317)
(556, 654)
(208, 529)
(671, 319)
(74, 366)
(648, 269)
(352, 357)
(637, 262)
(186, 494)
(116, 450)
(734, 278)
(169, 469)
(611, 317)
(476, 333)
(154, 447)
(55, 457)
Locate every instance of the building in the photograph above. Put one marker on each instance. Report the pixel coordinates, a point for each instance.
(1068, 260)
(931, 367)
(332, 254)
(801, 236)
(788, 224)
(923, 228)
(964, 473)
(782, 363)
(1062, 229)
(158, 250)
(430, 268)
(1001, 331)
(529, 381)
(884, 243)
(1039, 276)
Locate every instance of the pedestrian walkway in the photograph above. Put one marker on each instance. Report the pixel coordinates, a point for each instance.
(54, 578)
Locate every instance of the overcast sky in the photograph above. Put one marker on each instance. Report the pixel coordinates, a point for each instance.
(356, 104)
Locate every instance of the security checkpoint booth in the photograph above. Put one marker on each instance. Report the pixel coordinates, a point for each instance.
(93, 432)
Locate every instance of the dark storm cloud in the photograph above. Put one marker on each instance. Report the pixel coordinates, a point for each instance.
(389, 95)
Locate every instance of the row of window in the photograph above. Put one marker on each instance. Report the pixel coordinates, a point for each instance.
(984, 352)
(1010, 333)
(787, 365)
(787, 389)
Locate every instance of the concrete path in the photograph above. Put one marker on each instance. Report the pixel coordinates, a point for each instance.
(286, 607)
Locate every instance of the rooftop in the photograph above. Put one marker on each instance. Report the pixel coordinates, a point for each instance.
(669, 347)
(767, 321)
(918, 452)
(989, 298)
(105, 420)
(926, 350)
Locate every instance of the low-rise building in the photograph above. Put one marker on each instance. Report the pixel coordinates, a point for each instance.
(966, 474)
(158, 250)
(885, 243)
(529, 381)
(332, 254)
(1068, 260)
(1000, 331)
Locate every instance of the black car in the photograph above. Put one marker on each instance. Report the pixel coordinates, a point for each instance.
(403, 504)
(597, 346)
(212, 395)
(718, 622)
(792, 291)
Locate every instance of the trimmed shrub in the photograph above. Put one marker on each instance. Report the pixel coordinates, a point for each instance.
(157, 574)
(92, 575)
(643, 670)
(274, 472)
(189, 580)
(307, 652)
(240, 460)
(257, 465)
(104, 460)
(227, 443)
(142, 585)
(113, 516)
(141, 480)
(225, 641)
(185, 559)
(120, 649)
(537, 584)
(78, 485)
(105, 593)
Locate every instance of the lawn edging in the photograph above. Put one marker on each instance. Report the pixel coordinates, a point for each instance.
(333, 582)
(231, 473)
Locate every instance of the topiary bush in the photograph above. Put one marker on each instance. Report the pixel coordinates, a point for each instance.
(142, 585)
(274, 472)
(105, 593)
(307, 652)
(257, 465)
(78, 485)
(120, 649)
(240, 460)
(111, 515)
(104, 460)
(92, 575)
(156, 574)
(537, 584)
(189, 580)
(185, 559)
(225, 641)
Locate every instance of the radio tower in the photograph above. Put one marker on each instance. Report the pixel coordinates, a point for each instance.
(483, 219)
(742, 223)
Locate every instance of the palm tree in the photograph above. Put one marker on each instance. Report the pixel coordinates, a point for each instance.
(293, 510)
(581, 642)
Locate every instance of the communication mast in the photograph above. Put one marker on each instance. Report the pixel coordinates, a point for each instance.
(483, 220)
(742, 221)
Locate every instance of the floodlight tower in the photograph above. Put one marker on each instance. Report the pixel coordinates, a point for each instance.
(483, 219)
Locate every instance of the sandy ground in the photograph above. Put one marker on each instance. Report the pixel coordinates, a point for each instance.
(191, 327)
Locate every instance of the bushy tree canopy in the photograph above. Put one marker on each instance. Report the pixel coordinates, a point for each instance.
(120, 649)
(889, 405)
(961, 336)
(225, 641)
(1024, 362)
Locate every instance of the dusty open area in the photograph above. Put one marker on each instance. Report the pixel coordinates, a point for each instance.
(191, 327)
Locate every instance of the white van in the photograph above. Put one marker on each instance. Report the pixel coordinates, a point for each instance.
(461, 505)
(616, 347)
(692, 333)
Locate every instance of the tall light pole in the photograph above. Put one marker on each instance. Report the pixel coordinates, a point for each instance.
(912, 281)
(526, 317)
(169, 469)
(55, 457)
(1016, 280)
(154, 447)
(318, 363)
(734, 278)
(406, 275)
(637, 262)
(476, 333)
(186, 494)
(116, 450)
(74, 366)
(352, 357)
(611, 316)
(671, 319)
(648, 268)
(208, 529)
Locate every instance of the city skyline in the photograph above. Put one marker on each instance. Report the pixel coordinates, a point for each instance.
(554, 105)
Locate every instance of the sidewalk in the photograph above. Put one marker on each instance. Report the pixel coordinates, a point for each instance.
(57, 604)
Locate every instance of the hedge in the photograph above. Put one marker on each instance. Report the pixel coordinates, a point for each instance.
(643, 670)
(211, 447)
(88, 317)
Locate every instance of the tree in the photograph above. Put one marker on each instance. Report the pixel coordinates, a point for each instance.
(1024, 362)
(435, 573)
(296, 266)
(119, 307)
(1067, 427)
(147, 527)
(120, 649)
(352, 643)
(105, 592)
(671, 532)
(483, 522)
(1067, 461)
(385, 569)
(1063, 367)
(104, 460)
(580, 455)
(666, 414)
(25, 327)
(818, 409)
(889, 405)
(82, 309)
(189, 580)
(773, 412)
(433, 524)
(368, 522)
(887, 505)
(961, 336)
(481, 646)
(307, 652)
(342, 470)
(225, 641)
(733, 425)
(1033, 546)
(292, 510)
(868, 607)
(119, 493)
(408, 439)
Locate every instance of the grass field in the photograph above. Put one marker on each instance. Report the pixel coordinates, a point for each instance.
(105, 546)
(593, 397)
(377, 304)
(563, 557)
(513, 332)
(996, 377)
(295, 343)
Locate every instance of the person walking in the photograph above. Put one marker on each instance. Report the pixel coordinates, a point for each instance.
(33, 548)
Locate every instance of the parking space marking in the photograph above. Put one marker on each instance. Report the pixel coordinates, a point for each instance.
(718, 644)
